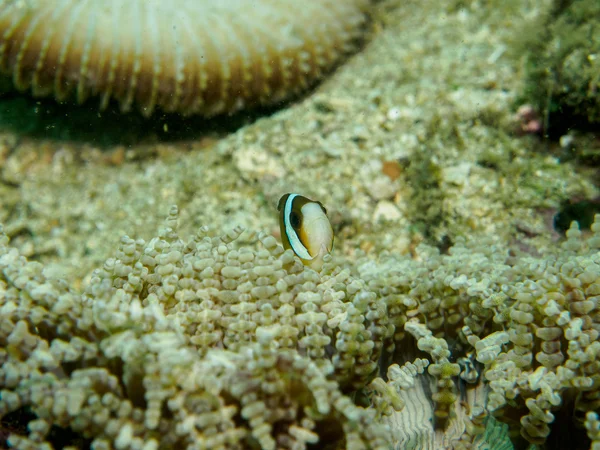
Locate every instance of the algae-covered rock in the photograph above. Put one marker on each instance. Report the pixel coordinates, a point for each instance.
(564, 66)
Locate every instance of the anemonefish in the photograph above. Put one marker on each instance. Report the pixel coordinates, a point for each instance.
(305, 229)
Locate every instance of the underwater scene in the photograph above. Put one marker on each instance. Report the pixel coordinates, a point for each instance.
(300, 224)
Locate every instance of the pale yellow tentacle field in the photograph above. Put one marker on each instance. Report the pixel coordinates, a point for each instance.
(188, 56)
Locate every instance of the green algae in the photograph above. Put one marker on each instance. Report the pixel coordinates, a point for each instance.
(564, 66)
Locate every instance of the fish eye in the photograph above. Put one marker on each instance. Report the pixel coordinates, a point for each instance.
(295, 220)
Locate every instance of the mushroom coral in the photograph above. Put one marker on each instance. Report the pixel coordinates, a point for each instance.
(185, 56)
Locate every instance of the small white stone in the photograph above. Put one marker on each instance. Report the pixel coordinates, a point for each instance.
(457, 174)
(254, 162)
(381, 188)
(386, 210)
(566, 141)
(394, 113)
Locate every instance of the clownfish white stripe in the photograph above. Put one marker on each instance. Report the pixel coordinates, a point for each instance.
(295, 242)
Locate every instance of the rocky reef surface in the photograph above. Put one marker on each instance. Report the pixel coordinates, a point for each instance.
(451, 313)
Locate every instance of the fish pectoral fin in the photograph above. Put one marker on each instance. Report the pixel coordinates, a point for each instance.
(316, 262)
(322, 251)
